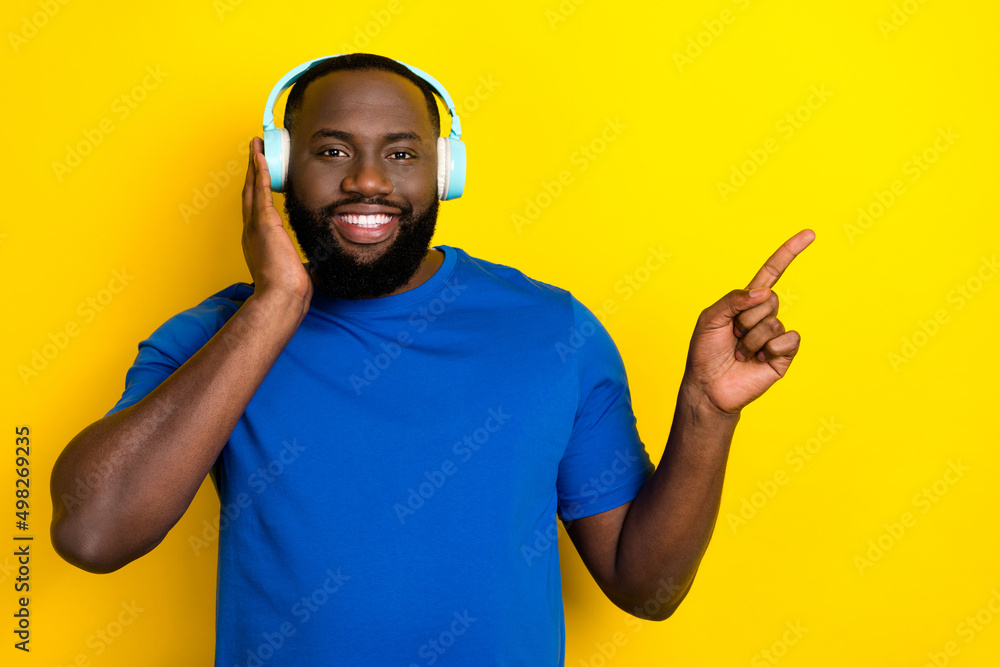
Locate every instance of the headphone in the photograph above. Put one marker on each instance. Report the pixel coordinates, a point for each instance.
(450, 150)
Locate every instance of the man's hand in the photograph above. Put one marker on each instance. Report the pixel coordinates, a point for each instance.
(270, 253)
(141, 466)
(739, 347)
(649, 550)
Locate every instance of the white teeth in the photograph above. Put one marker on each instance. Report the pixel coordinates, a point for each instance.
(375, 220)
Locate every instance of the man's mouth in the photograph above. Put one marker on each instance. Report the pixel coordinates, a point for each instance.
(366, 221)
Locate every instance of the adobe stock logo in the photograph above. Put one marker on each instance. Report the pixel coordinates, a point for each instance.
(779, 648)
(664, 596)
(914, 167)
(419, 320)
(258, 482)
(900, 16)
(122, 107)
(581, 158)
(622, 464)
(797, 457)
(787, 126)
(102, 638)
(432, 650)
(216, 183)
(463, 449)
(363, 35)
(968, 629)
(60, 339)
(959, 295)
(924, 500)
(31, 25)
(714, 27)
(303, 610)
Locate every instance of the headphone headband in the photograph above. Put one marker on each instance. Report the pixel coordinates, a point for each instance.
(286, 82)
(451, 149)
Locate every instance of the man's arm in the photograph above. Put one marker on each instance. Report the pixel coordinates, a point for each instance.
(142, 466)
(644, 555)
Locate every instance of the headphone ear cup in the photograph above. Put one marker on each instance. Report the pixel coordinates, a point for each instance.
(451, 168)
(277, 148)
(456, 169)
(444, 162)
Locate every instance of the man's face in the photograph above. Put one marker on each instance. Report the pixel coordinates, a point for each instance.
(361, 195)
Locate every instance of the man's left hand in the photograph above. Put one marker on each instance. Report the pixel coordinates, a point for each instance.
(739, 347)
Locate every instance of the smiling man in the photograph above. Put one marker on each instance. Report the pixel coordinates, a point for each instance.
(394, 430)
(366, 234)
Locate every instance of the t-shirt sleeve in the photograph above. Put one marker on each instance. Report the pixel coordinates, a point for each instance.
(605, 463)
(176, 341)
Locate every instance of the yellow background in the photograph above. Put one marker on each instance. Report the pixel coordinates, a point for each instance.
(897, 75)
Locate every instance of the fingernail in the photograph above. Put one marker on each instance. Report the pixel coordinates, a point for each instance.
(739, 356)
(760, 355)
(760, 291)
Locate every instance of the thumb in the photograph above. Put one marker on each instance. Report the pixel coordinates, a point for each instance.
(722, 312)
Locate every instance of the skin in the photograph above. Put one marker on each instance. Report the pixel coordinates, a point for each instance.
(130, 476)
(124, 481)
(644, 555)
(369, 105)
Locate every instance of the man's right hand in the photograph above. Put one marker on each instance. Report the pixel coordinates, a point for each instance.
(140, 467)
(269, 251)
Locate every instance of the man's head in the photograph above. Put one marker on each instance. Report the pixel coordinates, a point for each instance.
(361, 194)
(355, 62)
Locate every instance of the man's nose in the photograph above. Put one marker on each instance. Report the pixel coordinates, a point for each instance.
(367, 178)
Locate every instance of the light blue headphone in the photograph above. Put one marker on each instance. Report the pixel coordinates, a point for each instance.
(451, 150)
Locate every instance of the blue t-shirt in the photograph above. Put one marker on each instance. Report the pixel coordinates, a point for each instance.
(390, 494)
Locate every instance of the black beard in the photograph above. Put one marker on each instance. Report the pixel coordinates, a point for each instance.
(338, 273)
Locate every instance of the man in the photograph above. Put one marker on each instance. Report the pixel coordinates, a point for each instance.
(394, 429)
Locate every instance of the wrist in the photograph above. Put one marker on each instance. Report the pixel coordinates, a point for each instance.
(278, 305)
(693, 400)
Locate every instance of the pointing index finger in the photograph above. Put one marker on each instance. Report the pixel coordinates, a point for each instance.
(782, 257)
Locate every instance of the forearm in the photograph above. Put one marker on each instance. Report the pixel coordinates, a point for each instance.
(124, 481)
(669, 524)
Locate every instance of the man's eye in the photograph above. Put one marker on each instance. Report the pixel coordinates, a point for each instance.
(405, 154)
(328, 150)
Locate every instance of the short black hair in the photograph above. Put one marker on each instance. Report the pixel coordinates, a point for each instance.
(358, 61)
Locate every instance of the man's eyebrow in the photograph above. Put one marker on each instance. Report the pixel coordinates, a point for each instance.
(327, 133)
(396, 136)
